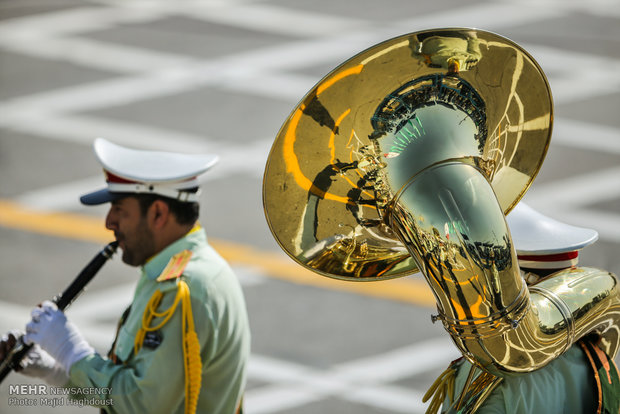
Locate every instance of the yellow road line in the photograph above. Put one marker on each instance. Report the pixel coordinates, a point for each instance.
(71, 226)
(79, 227)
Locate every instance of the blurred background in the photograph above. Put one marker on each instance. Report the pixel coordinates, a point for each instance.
(222, 76)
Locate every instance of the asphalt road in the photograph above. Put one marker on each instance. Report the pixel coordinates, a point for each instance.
(222, 76)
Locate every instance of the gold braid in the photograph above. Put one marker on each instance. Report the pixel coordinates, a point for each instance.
(191, 345)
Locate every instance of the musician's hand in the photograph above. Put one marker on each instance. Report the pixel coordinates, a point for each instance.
(50, 328)
(37, 363)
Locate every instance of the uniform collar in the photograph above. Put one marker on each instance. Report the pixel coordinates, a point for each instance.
(156, 264)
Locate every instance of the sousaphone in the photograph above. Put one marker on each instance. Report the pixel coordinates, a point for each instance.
(406, 158)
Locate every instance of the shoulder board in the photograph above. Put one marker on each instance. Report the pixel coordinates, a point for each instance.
(175, 266)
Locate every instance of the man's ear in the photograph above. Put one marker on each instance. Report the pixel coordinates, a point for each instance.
(159, 213)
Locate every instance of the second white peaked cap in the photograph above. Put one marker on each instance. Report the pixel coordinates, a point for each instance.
(170, 174)
(542, 242)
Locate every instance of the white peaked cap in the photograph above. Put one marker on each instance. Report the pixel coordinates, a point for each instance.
(542, 242)
(127, 171)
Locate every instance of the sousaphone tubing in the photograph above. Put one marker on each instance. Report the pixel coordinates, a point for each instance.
(406, 158)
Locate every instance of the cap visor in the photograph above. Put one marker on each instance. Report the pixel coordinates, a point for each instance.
(100, 197)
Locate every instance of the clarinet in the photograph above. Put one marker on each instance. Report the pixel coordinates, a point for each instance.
(63, 300)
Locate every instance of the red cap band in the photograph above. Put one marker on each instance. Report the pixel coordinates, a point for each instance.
(111, 178)
(551, 257)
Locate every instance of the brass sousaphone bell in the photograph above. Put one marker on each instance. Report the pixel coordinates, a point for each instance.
(407, 157)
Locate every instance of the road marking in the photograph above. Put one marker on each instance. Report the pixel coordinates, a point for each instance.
(489, 16)
(558, 199)
(164, 74)
(73, 129)
(393, 365)
(87, 52)
(362, 381)
(606, 224)
(397, 399)
(569, 85)
(268, 18)
(64, 225)
(586, 135)
(248, 160)
(593, 187)
(411, 289)
(77, 20)
(61, 197)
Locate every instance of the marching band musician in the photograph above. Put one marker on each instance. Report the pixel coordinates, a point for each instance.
(583, 379)
(183, 344)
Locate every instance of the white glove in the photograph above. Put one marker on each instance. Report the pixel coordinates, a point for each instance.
(37, 363)
(50, 328)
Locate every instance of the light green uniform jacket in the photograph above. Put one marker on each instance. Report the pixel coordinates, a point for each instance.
(153, 380)
(564, 386)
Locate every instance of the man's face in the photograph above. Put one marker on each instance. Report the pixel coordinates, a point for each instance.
(131, 230)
